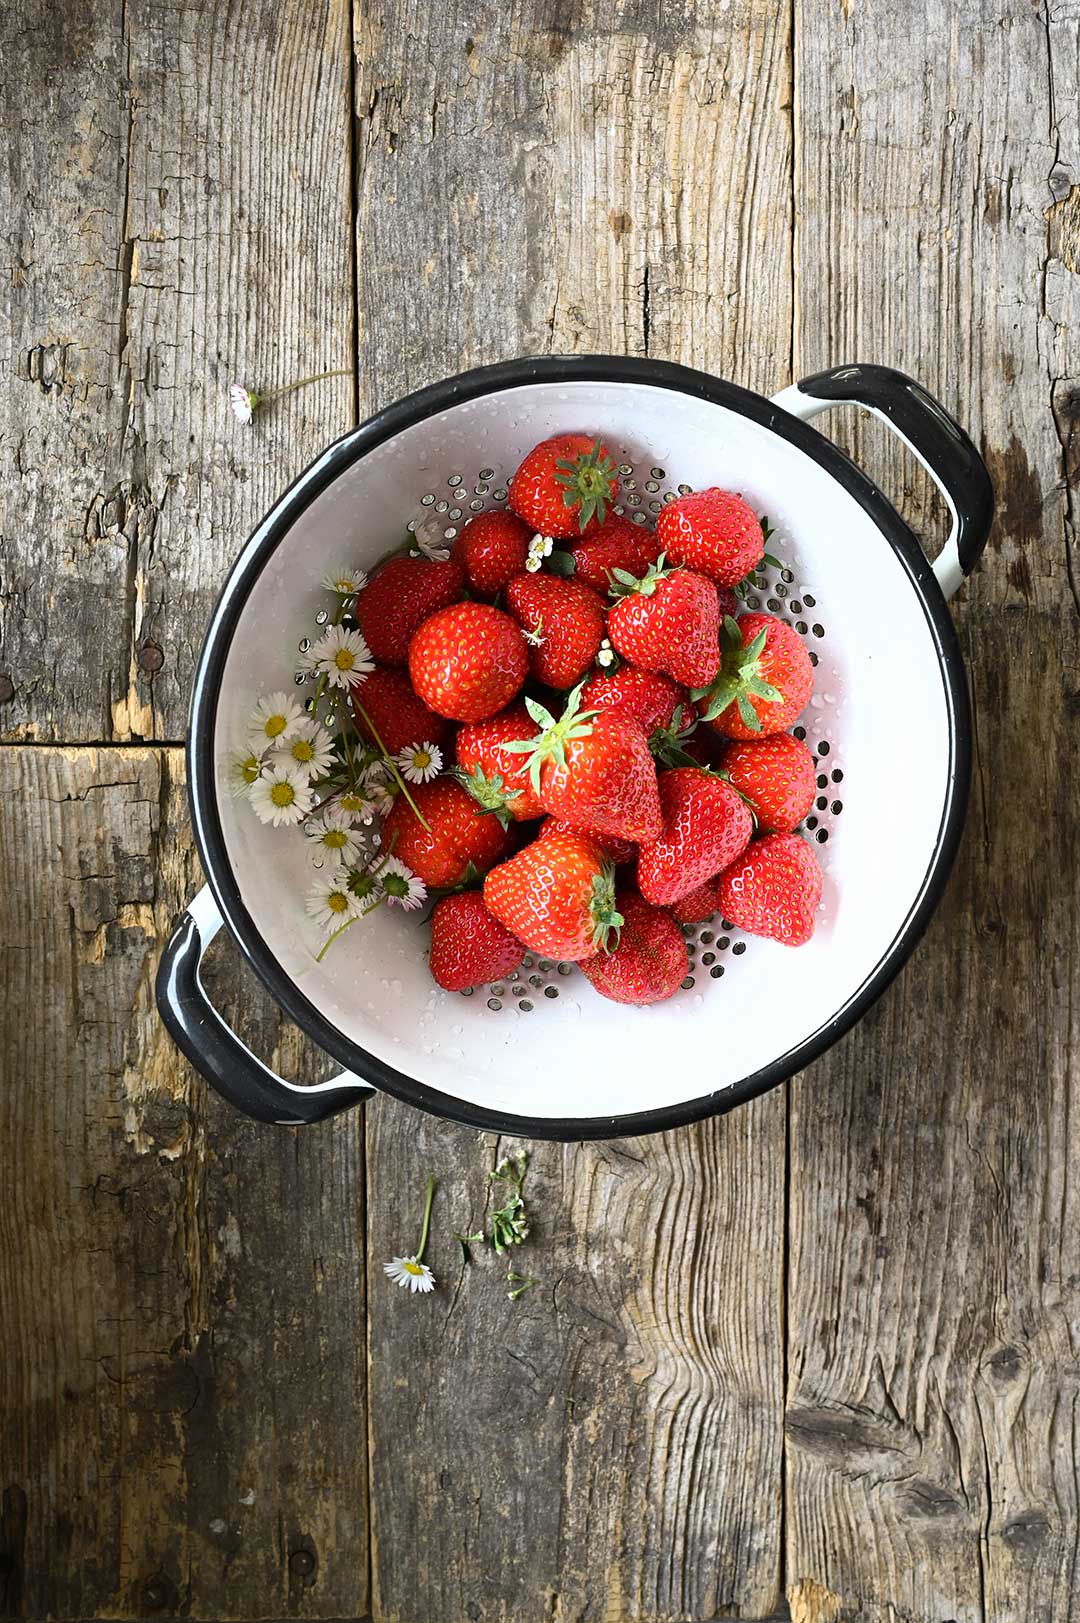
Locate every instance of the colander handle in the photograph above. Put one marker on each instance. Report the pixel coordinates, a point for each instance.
(930, 433)
(215, 1050)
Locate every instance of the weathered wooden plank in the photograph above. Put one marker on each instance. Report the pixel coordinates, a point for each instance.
(182, 1366)
(174, 213)
(609, 1444)
(931, 1441)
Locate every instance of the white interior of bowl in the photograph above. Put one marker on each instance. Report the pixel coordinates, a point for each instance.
(575, 1054)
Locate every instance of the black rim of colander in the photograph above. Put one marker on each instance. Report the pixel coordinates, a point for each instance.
(407, 412)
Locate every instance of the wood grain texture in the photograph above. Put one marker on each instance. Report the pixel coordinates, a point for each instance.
(182, 1379)
(609, 1445)
(931, 1424)
(174, 214)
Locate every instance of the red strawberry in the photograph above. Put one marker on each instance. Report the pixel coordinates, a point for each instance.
(765, 679)
(727, 602)
(773, 890)
(496, 778)
(386, 703)
(668, 621)
(714, 532)
(563, 623)
(557, 895)
(493, 548)
(649, 962)
(458, 835)
(399, 597)
(468, 944)
(654, 700)
(619, 543)
(593, 769)
(468, 661)
(565, 486)
(697, 905)
(706, 827)
(616, 851)
(777, 776)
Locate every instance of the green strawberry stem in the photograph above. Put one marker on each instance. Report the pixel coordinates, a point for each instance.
(490, 794)
(392, 764)
(550, 743)
(586, 484)
(739, 677)
(607, 919)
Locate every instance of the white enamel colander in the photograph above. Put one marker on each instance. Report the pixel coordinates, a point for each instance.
(540, 1054)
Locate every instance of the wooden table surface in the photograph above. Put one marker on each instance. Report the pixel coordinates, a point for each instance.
(822, 1355)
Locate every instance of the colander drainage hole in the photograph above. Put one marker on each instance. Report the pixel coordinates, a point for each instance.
(739, 948)
(493, 1003)
(565, 969)
(708, 958)
(497, 991)
(813, 657)
(811, 822)
(822, 802)
(707, 937)
(837, 775)
(799, 732)
(454, 479)
(818, 630)
(688, 983)
(487, 473)
(837, 807)
(723, 943)
(808, 600)
(551, 991)
(716, 971)
(525, 1006)
(823, 747)
(822, 835)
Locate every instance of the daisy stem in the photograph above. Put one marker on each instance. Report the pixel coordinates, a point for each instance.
(302, 383)
(329, 942)
(392, 764)
(319, 804)
(422, 1247)
(343, 719)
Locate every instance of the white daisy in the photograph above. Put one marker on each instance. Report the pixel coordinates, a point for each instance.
(419, 762)
(401, 885)
(355, 806)
(274, 721)
(365, 886)
(346, 582)
(606, 654)
(539, 548)
(310, 749)
(431, 543)
(330, 902)
(242, 768)
(244, 402)
(413, 1275)
(333, 837)
(282, 795)
(343, 657)
(382, 799)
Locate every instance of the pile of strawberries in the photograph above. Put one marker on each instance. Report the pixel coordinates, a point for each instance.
(619, 729)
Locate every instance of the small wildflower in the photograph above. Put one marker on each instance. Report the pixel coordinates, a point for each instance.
(431, 543)
(539, 548)
(420, 762)
(535, 638)
(343, 657)
(330, 901)
(310, 749)
(274, 721)
(413, 1273)
(401, 885)
(282, 795)
(379, 792)
(242, 769)
(346, 582)
(333, 836)
(365, 886)
(356, 806)
(244, 402)
(606, 654)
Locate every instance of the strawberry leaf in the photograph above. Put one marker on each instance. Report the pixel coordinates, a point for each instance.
(767, 529)
(764, 690)
(561, 563)
(541, 716)
(775, 563)
(750, 717)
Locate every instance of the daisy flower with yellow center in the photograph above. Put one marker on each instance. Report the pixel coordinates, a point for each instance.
(310, 749)
(346, 582)
(412, 1273)
(333, 837)
(274, 721)
(242, 768)
(281, 796)
(330, 901)
(343, 657)
(356, 806)
(420, 763)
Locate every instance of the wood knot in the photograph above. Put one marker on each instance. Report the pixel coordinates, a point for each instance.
(7, 689)
(302, 1564)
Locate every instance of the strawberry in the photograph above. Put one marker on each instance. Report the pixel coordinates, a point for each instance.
(557, 895)
(468, 944)
(496, 778)
(492, 548)
(714, 532)
(619, 543)
(650, 961)
(386, 703)
(777, 776)
(654, 700)
(773, 890)
(468, 661)
(459, 836)
(706, 827)
(765, 679)
(399, 597)
(668, 621)
(616, 851)
(563, 623)
(564, 486)
(697, 905)
(727, 601)
(593, 769)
